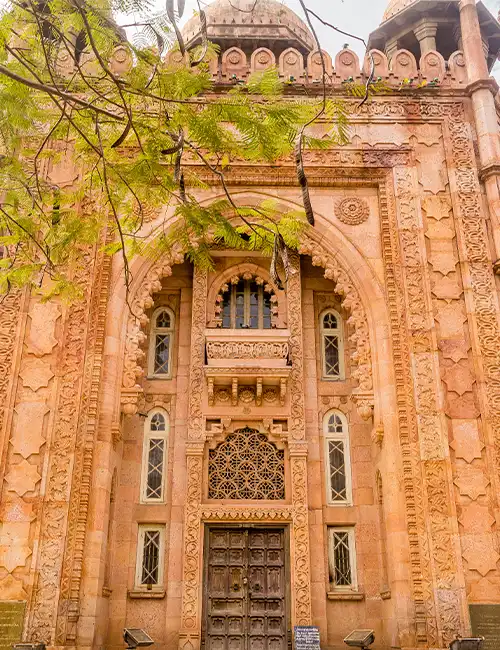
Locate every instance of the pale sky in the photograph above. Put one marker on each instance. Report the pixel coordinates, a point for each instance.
(358, 17)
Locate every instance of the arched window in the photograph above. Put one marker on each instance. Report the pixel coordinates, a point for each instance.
(247, 303)
(155, 458)
(161, 343)
(332, 345)
(338, 465)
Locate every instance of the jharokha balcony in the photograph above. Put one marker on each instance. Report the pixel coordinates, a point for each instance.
(247, 367)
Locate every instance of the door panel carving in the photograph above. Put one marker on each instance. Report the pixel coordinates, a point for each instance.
(245, 590)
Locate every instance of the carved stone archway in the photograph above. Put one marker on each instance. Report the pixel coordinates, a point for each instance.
(344, 287)
(296, 510)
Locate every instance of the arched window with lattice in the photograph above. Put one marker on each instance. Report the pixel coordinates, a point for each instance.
(247, 301)
(338, 465)
(246, 465)
(332, 345)
(154, 462)
(161, 343)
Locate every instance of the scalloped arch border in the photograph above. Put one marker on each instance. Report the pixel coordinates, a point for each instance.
(344, 287)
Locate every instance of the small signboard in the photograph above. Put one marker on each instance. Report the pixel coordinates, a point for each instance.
(306, 638)
(485, 621)
(11, 623)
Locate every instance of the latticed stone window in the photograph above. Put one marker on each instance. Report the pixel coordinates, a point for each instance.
(246, 466)
(341, 558)
(161, 340)
(246, 302)
(155, 453)
(338, 470)
(150, 552)
(332, 345)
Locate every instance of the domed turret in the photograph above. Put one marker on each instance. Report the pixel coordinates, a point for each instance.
(423, 26)
(250, 25)
(395, 6)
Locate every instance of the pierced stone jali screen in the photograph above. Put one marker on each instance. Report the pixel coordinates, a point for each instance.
(246, 466)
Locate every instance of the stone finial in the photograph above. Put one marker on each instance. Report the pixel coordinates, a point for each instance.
(291, 64)
(433, 66)
(457, 67)
(380, 61)
(262, 59)
(315, 68)
(347, 64)
(234, 64)
(404, 65)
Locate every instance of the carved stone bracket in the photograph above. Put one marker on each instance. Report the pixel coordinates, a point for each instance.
(365, 403)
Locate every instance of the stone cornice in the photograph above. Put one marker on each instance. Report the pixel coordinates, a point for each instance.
(493, 169)
(483, 84)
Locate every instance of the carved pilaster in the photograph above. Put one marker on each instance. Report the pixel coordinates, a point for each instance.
(301, 569)
(190, 632)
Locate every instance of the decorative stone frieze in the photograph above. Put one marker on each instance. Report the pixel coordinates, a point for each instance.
(217, 350)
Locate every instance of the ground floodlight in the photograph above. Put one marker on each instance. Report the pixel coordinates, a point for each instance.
(136, 638)
(360, 639)
(470, 643)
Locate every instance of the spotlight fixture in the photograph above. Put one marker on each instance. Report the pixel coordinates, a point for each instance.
(360, 639)
(471, 643)
(136, 638)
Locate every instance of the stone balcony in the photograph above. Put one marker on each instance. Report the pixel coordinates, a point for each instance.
(247, 365)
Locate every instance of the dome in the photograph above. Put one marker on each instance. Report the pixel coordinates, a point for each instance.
(233, 23)
(395, 7)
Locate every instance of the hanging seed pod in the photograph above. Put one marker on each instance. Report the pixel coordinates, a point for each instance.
(274, 264)
(284, 256)
(179, 144)
(369, 81)
(119, 140)
(302, 178)
(204, 39)
(173, 20)
(182, 188)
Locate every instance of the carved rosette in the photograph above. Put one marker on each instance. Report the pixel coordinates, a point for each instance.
(352, 211)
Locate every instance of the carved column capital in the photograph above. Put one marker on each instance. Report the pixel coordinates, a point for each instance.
(426, 32)
(195, 448)
(298, 449)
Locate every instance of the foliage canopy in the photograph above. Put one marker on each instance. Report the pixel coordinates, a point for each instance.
(131, 132)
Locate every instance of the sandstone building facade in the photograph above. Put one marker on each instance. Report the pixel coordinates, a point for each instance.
(234, 460)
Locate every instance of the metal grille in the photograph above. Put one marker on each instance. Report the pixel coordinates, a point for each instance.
(246, 466)
(332, 356)
(335, 424)
(162, 339)
(332, 347)
(157, 422)
(342, 574)
(155, 468)
(162, 354)
(338, 483)
(330, 321)
(247, 304)
(151, 558)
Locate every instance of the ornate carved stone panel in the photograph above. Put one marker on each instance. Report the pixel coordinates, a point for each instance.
(246, 465)
(43, 607)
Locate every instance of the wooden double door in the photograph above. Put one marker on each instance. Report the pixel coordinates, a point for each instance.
(245, 589)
